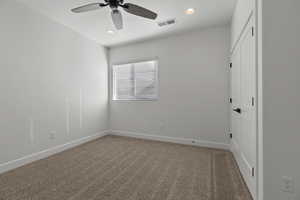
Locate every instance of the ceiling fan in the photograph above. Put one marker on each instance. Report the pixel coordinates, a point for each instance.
(115, 13)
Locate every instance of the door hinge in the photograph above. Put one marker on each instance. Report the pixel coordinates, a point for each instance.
(253, 101)
(252, 31)
(230, 135)
(230, 65)
(253, 172)
(230, 100)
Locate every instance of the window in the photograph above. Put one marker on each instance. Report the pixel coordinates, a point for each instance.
(135, 81)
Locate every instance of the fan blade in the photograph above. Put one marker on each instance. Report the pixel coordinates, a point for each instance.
(139, 11)
(117, 19)
(88, 7)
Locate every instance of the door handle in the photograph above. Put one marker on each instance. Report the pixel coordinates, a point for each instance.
(238, 110)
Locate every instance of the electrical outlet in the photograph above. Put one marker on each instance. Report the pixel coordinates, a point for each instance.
(288, 184)
(162, 126)
(52, 135)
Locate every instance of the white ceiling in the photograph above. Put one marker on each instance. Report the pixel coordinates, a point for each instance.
(95, 24)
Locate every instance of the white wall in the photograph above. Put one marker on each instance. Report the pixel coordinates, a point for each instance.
(281, 95)
(193, 87)
(46, 71)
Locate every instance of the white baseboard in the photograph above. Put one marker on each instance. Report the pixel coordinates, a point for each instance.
(48, 152)
(54, 150)
(193, 142)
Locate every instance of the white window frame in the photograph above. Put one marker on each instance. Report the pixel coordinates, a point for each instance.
(134, 62)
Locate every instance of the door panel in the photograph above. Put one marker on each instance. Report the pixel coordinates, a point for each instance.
(243, 91)
(236, 97)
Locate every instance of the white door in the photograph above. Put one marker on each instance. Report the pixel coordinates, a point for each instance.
(243, 107)
(236, 98)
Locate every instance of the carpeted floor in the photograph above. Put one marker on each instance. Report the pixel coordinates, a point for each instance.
(119, 168)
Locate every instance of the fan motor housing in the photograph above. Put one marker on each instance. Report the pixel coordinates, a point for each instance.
(114, 3)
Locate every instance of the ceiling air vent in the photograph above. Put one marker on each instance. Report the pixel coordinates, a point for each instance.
(167, 22)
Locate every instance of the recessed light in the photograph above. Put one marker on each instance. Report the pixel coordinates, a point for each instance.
(190, 11)
(110, 32)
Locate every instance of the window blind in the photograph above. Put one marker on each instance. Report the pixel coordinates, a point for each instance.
(135, 81)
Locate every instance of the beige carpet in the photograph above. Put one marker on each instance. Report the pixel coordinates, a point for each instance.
(117, 168)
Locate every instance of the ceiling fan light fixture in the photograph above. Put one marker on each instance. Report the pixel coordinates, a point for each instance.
(117, 19)
(115, 12)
